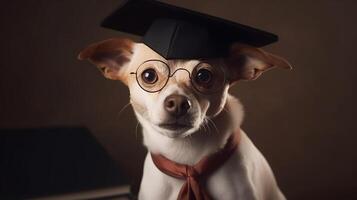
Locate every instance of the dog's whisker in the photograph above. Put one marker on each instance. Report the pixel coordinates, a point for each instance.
(123, 108)
(206, 126)
(214, 125)
(201, 128)
(136, 130)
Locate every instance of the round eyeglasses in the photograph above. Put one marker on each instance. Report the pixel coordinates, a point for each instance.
(153, 75)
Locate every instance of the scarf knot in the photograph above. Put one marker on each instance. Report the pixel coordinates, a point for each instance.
(190, 172)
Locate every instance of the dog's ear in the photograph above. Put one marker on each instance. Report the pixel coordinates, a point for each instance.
(110, 56)
(248, 63)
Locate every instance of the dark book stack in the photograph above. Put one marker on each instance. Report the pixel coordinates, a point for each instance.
(57, 163)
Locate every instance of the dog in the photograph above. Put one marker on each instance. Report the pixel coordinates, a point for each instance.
(185, 120)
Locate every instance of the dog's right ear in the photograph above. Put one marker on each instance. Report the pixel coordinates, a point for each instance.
(248, 63)
(110, 56)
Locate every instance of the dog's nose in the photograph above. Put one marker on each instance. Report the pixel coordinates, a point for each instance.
(177, 105)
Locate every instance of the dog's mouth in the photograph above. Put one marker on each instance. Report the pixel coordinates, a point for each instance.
(175, 126)
(176, 129)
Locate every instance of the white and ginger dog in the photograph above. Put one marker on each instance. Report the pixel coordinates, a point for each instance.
(187, 114)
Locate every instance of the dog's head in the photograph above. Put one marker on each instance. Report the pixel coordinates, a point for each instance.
(175, 97)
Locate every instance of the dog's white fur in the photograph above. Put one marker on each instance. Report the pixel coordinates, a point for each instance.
(246, 175)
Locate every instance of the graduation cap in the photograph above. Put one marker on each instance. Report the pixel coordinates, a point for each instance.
(179, 33)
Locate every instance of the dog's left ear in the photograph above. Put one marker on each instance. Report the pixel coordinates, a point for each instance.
(248, 63)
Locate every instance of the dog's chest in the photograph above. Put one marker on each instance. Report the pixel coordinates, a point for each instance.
(229, 181)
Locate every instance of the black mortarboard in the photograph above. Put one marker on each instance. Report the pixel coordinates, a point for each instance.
(179, 33)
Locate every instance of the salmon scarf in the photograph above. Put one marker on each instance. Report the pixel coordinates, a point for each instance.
(195, 176)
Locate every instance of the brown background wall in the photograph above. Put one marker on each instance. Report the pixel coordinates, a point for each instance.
(303, 120)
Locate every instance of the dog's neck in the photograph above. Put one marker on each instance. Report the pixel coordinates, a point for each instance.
(210, 138)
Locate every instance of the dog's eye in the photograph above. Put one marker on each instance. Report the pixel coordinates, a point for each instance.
(149, 76)
(204, 76)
